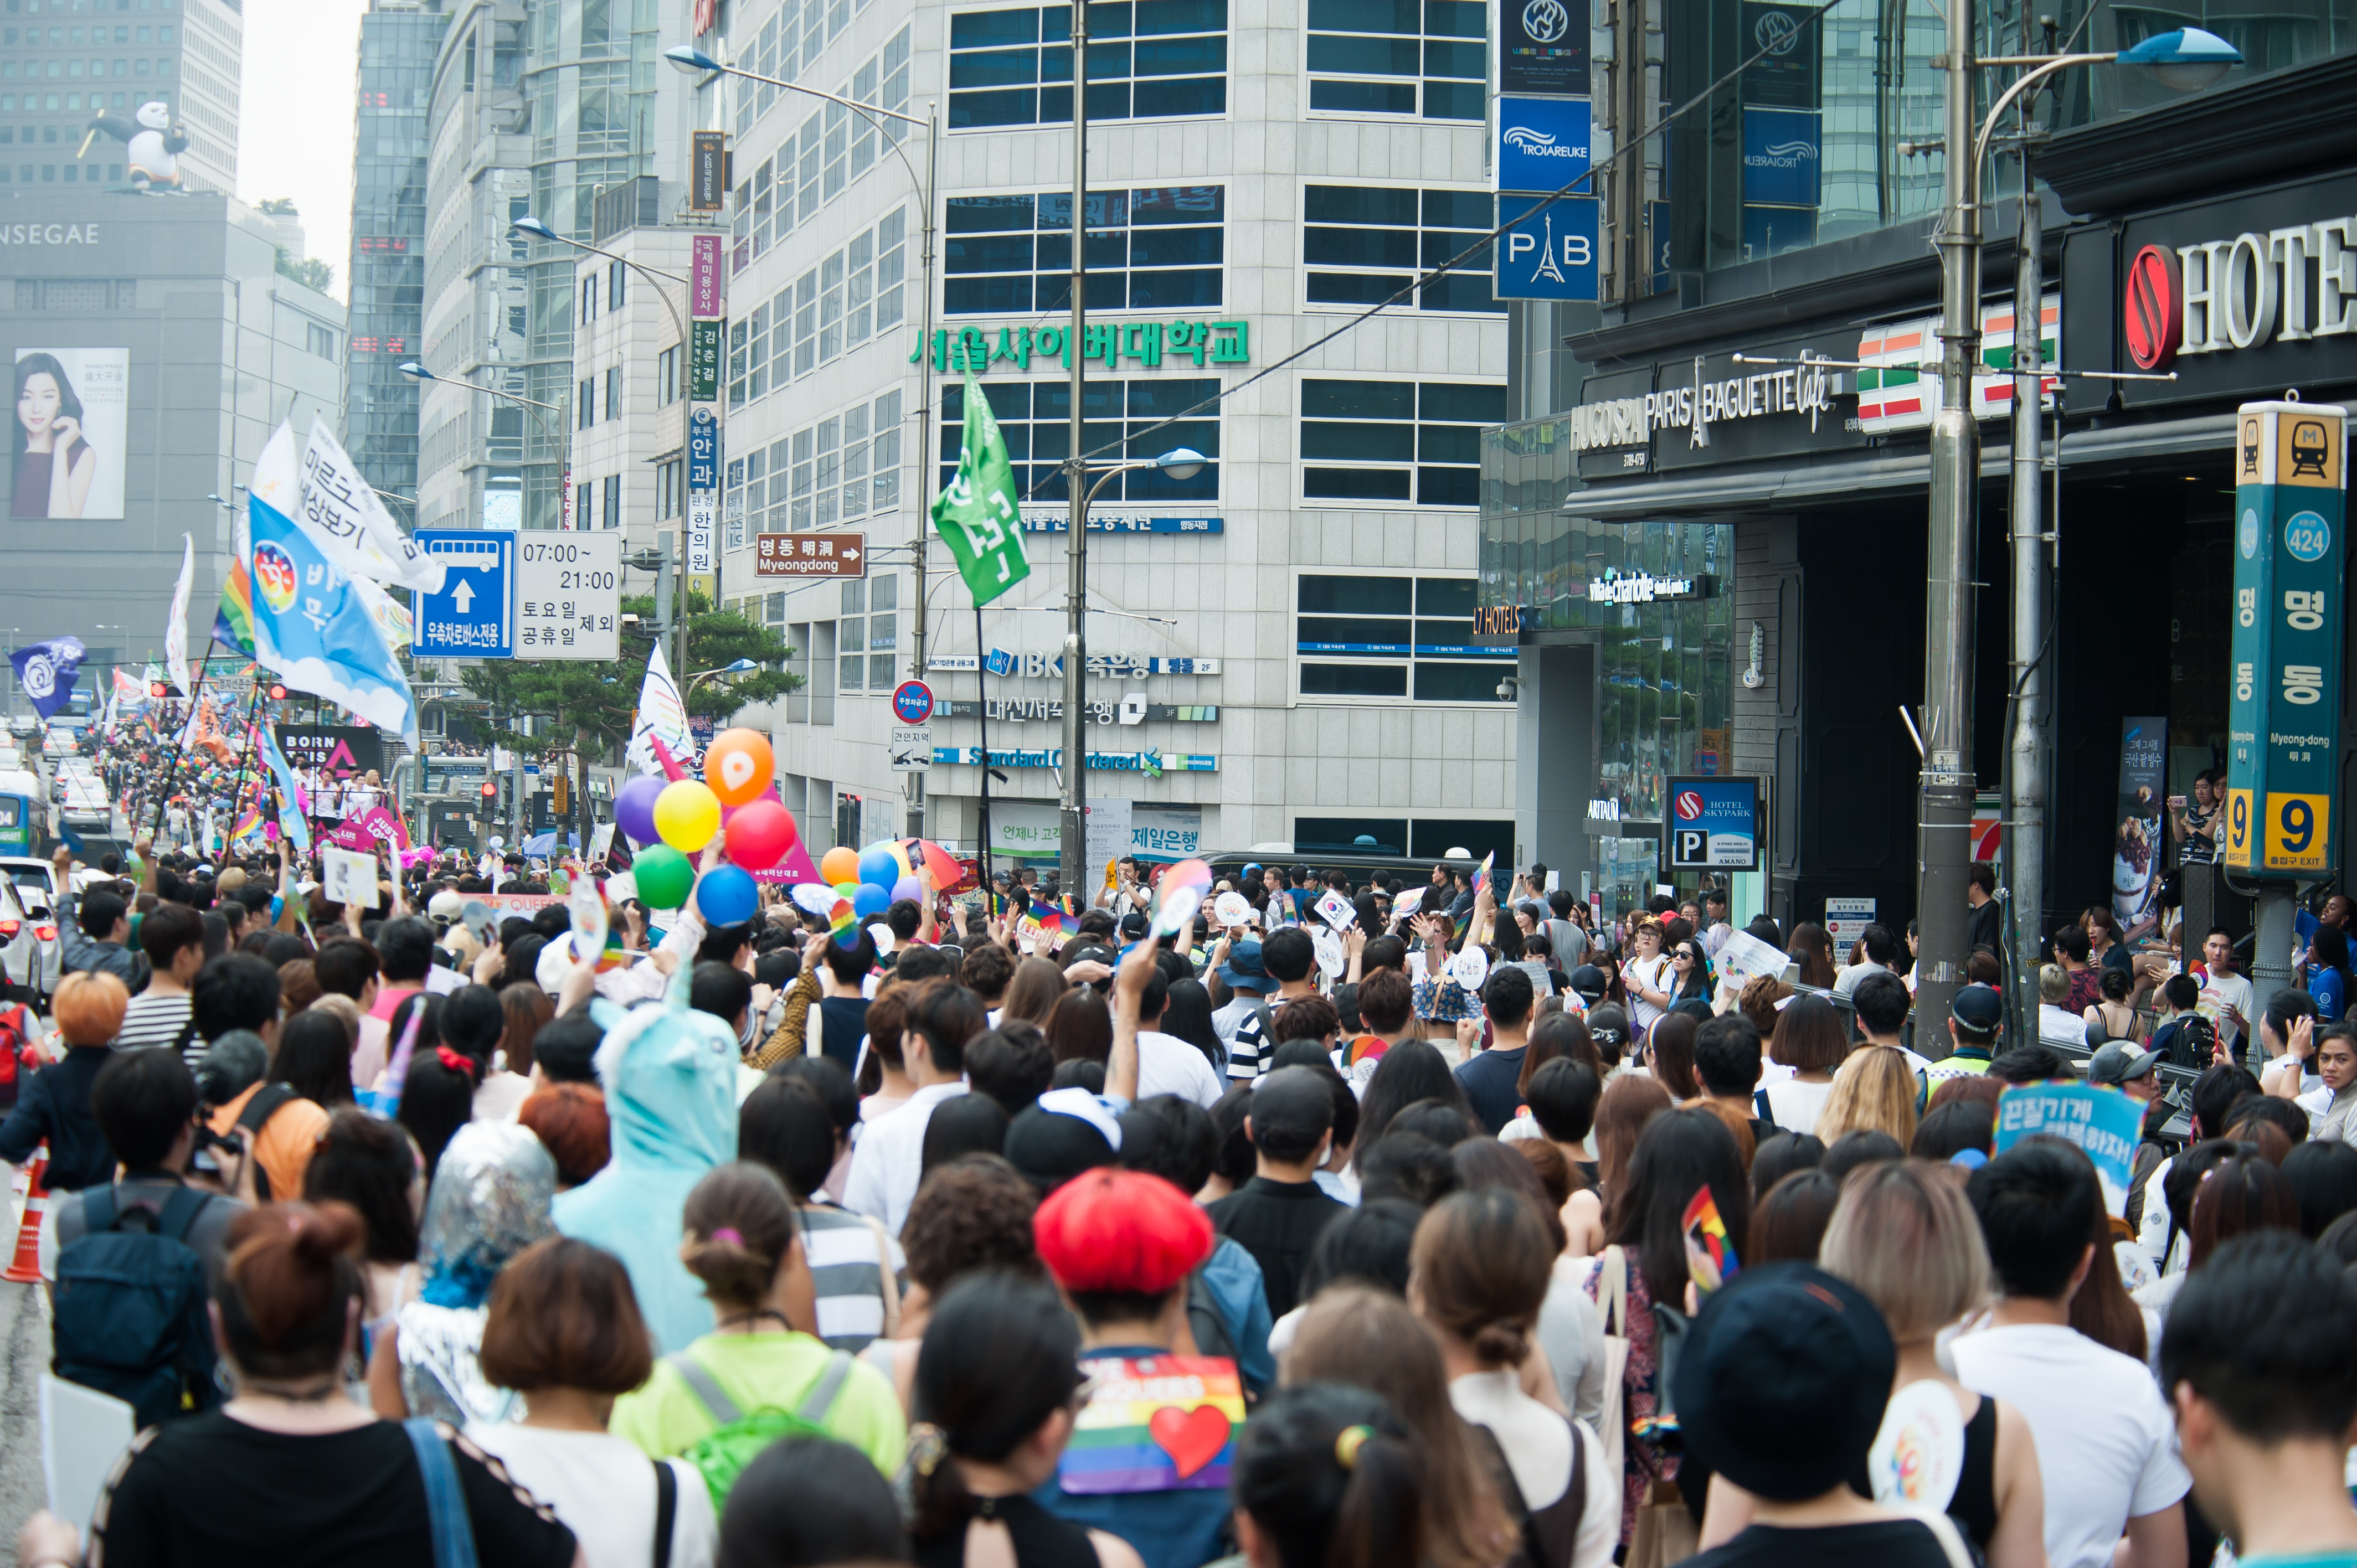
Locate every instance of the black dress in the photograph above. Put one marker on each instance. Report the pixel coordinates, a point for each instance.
(1041, 1540)
(1974, 1505)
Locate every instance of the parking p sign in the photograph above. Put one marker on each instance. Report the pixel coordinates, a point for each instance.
(1713, 824)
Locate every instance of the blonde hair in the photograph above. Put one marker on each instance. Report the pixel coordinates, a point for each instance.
(88, 1007)
(1904, 1233)
(2054, 984)
(1874, 1089)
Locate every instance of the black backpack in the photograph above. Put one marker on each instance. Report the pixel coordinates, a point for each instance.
(130, 1317)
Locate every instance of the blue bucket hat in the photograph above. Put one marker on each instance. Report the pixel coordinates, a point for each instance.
(1244, 967)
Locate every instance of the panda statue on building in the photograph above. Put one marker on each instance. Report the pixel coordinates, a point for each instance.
(152, 142)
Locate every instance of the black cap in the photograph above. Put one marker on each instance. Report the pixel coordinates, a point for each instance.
(1784, 1380)
(1589, 981)
(1978, 1008)
(1049, 1145)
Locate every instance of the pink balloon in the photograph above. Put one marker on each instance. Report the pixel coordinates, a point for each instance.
(759, 834)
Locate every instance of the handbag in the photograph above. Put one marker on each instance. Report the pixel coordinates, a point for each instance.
(1612, 1298)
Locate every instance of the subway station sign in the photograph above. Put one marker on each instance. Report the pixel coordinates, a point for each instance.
(2284, 706)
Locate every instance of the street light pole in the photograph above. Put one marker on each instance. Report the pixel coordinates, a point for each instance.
(1073, 847)
(561, 435)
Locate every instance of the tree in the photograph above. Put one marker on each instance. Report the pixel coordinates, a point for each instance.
(590, 705)
(310, 272)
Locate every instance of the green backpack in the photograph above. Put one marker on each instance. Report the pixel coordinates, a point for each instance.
(721, 1454)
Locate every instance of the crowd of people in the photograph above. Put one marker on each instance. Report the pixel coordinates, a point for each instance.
(1453, 1233)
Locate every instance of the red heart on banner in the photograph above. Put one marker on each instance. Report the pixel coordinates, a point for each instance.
(1192, 1438)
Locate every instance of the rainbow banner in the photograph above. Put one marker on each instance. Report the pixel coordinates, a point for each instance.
(1154, 1424)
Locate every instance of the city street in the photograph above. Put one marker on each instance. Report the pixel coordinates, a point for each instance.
(24, 1332)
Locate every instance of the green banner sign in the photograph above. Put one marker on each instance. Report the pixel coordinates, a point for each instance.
(2284, 712)
(704, 361)
(1149, 343)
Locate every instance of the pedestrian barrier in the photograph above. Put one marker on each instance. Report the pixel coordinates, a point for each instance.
(25, 1266)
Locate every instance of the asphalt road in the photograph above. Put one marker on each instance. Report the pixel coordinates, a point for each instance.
(24, 1332)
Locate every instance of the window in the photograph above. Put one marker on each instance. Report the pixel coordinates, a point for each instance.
(1400, 440)
(1148, 250)
(884, 486)
(809, 167)
(613, 392)
(806, 322)
(1036, 418)
(802, 480)
(584, 406)
(584, 507)
(748, 362)
(588, 299)
(838, 149)
(613, 500)
(841, 469)
(830, 307)
(830, 471)
(1393, 636)
(883, 630)
(851, 636)
(668, 479)
(616, 276)
(745, 492)
(1015, 68)
(1386, 235)
(1370, 57)
(667, 379)
(863, 128)
(322, 339)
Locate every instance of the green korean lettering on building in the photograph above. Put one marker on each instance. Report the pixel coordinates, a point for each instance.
(1147, 343)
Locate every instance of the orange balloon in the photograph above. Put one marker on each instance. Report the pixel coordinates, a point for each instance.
(840, 864)
(739, 766)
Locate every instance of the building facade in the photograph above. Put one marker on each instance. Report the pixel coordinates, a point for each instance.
(164, 323)
(385, 286)
(1279, 647)
(185, 54)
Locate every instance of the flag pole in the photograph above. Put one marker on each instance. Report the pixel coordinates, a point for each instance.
(237, 795)
(172, 770)
(983, 709)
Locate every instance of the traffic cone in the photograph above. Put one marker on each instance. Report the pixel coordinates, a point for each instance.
(24, 1267)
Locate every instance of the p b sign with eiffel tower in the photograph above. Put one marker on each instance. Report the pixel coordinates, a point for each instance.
(1548, 250)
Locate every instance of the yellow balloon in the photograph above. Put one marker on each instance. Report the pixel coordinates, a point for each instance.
(687, 813)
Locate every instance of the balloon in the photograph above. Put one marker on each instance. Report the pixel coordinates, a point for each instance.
(634, 808)
(726, 895)
(878, 866)
(870, 900)
(686, 815)
(664, 877)
(843, 890)
(759, 834)
(739, 765)
(839, 865)
(908, 888)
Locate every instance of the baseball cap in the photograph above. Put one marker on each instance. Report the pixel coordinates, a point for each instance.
(1590, 983)
(1121, 1231)
(1784, 1380)
(2119, 1063)
(1063, 1134)
(1978, 1008)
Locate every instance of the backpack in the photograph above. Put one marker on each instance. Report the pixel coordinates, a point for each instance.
(721, 1454)
(2193, 1042)
(129, 1314)
(258, 1110)
(19, 1052)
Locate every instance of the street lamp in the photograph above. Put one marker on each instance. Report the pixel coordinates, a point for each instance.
(2186, 59)
(696, 62)
(561, 434)
(528, 224)
(1180, 463)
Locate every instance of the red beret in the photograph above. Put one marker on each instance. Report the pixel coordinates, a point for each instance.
(1116, 1231)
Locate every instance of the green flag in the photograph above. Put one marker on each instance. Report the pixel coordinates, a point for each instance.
(976, 514)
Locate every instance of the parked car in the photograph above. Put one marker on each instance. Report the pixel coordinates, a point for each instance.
(31, 951)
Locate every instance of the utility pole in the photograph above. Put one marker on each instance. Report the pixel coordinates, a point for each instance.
(1944, 835)
(1073, 854)
(2025, 806)
(917, 512)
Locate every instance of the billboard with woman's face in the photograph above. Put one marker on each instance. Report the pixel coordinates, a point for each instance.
(71, 429)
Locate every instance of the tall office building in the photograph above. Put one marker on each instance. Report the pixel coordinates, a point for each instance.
(399, 42)
(184, 53)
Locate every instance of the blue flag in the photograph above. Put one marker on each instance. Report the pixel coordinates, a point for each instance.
(291, 819)
(309, 625)
(46, 669)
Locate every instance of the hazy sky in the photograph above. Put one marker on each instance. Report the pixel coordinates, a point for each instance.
(296, 107)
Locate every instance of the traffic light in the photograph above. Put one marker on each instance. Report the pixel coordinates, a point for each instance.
(157, 690)
(490, 790)
(277, 691)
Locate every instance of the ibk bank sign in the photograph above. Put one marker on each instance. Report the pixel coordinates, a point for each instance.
(2251, 295)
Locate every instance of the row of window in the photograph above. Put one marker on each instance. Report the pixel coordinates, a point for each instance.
(586, 513)
(584, 405)
(50, 173)
(73, 36)
(1400, 440)
(616, 291)
(1398, 57)
(1393, 636)
(143, 66)
(835, 470)
(815, 166)
(879, 633)
(1147, 60)
(1126, 416)
(853, 294)
(789, 43)
(1147, 250)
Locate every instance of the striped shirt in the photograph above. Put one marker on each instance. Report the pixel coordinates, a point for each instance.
(846, 1252)
(157, 1018)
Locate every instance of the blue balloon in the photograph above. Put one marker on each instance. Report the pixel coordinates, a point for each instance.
(876, 865)
(726, 895)
(869, 900)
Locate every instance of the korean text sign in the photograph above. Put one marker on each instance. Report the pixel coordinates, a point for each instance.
(2105, 1123)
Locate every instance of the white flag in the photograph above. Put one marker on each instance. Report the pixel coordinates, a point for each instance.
(344, 514)
(175, 628)
(661, 713)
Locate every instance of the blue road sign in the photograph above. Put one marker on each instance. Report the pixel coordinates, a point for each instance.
(1542, 143)
(474, 615)
(703, 451)
(1546, 253)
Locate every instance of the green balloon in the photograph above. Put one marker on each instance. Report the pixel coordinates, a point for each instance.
(664, 877)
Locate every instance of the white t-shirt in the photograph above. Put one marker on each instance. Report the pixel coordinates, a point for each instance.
(603, 1488)
(1169, 1065)
(1794, 1104)
(2106, 1447)
(2060, 1027)
(1538, 1447)
(2220, 992)
(1656, 977)
(889, 1159)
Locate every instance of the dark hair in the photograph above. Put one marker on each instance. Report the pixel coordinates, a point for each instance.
(345, 966)
(1079, 1028)
(1410, 1072)
(1485, 1163)
(1170, 1136)
(563, 1315)
(471, 1022)
(1507, 996)
(1079, 1073)
(2215, 1091)
(946, 1015)
(166, 930)
(1408, 1166)
(1859, 1146)
(1808, 1036)
(2029, 1064)
(2032, 1202)
(1561, 1097)
(315, 1055)
(721, 990)
(236, 990)
(2323, 1179)
(914, 965)
(1372, 1245)
(143, 1101)
(1308, 1020)
(849, 965)
(2239, 1196)
(1672, 1043)
(1438, 1120)
(1790, 1223)
(1951, 1129)
(565, 1049)
(965, 1124)
(2263, 1333)
(740, 1225)
(406, 949)
(809, 1502)
(99, 912)
(986, 969)
(1000, 1357)
(2281, 1114)
(1882, 1001)
(2183, 992)
(1287, 953)
(1316, 1510)
(1813, 950)
(1386, 997)
(1186, 1016)
(1677, 1154)
(970, 1215)
(1552, 1037)
(69, 403)
(1235, 1160)
(284, 1290)
(1727, 1054)
(785, 1126)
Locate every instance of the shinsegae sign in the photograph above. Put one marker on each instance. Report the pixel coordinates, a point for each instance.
(1147, 343)
(1643, 588)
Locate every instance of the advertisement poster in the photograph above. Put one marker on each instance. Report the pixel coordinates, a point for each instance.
(1845, 918)
(72, 430)
(340, 751)
(2136, 848)
(1543, 48)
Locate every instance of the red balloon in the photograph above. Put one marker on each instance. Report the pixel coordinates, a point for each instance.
(760, 834)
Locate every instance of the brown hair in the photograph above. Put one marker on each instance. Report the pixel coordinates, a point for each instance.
(1548, 1164)
(1630, 1101)
(1557, 1034)
(563, 1315)
(1308, 1017)
(972, 1213)
(740, 1226)
(1031, 995)
(1874, 1090)
(1369, 1339)
(1079, 1028)
(1484, 1163)
(288, 1286)
(89, 1006)
(1758, 1000)
(1478, 1270)
(569, 1119)
(1905, 1235)
(1808, 1037)
(886, 1019)
(1977, 1086)
(528, 1007)
(298, 987)
(1813, 950)
(1671, 1042)
(1738, 1125)
(2239, 1196)
(1788, 1224)
(1386, 1001)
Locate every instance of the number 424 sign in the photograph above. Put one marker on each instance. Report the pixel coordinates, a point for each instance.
(2284, 712)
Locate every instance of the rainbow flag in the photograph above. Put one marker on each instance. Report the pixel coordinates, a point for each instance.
(843, 923)
(233, 619)
(1481, 876)
(1706, 1234)
(1154, 1424)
